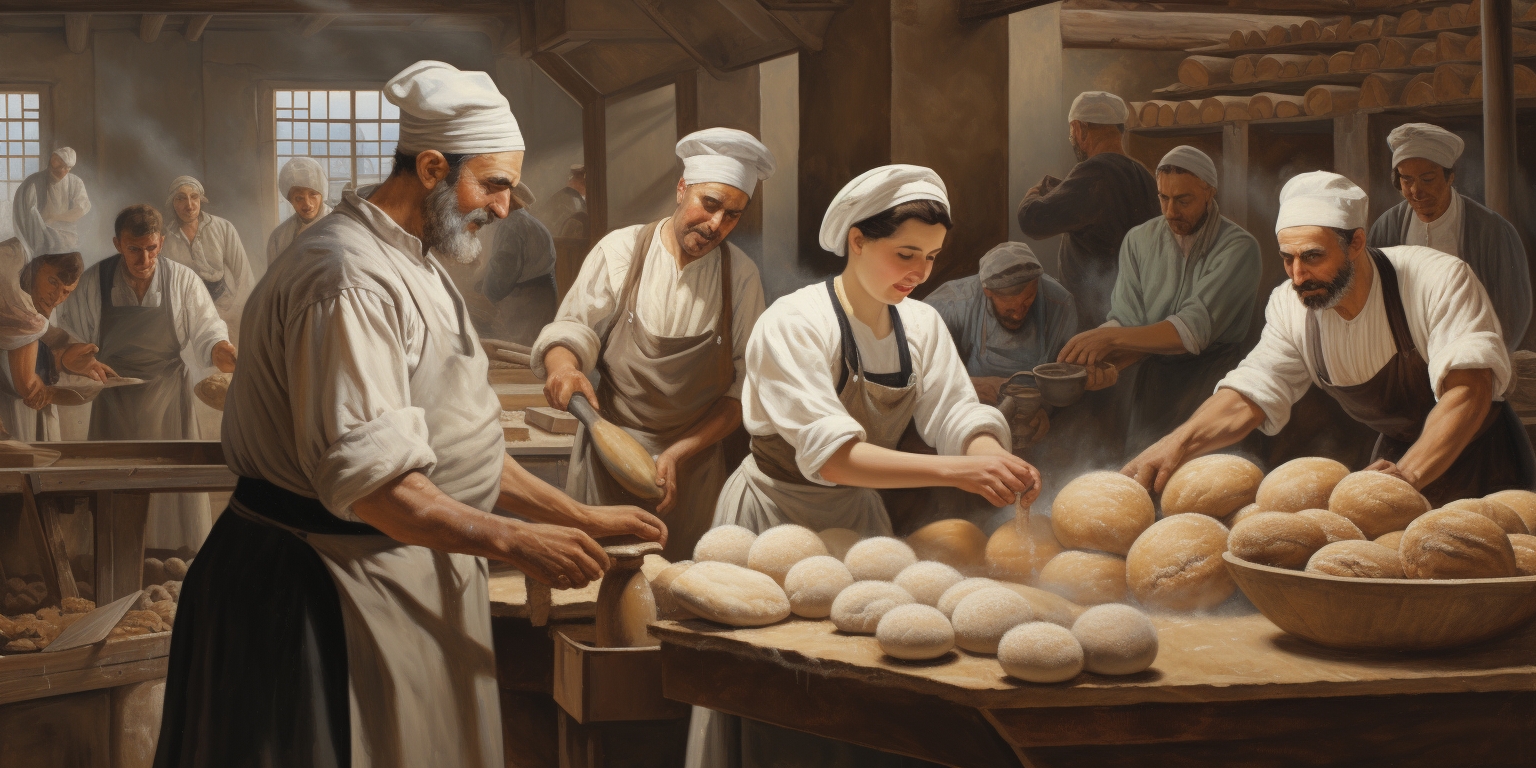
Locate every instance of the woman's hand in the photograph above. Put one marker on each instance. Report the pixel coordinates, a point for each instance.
(995, 475)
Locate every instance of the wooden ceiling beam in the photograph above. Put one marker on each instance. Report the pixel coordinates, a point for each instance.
(293, 7)
(150, 25)
(314, 23)
(196, 25)
(77, 31)
(978, 10)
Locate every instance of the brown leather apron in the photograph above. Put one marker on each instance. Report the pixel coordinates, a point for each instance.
(1397, 400)
(657, 388)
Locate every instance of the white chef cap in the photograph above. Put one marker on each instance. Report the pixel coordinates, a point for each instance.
(451, 111)
(1321, 199)
(1101, 107)
(875, 191)
(1193, 160)
(302, 172)
(725, 156)
(67, 155)
(184, 181)
(1430, 142)
(1009, 267)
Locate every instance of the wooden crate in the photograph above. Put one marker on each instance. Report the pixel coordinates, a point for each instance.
(610, 684)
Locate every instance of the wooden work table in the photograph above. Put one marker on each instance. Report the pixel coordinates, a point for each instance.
(1224, 691)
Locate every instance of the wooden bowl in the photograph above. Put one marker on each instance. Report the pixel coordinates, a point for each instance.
(1061, 384)
(1385, 614)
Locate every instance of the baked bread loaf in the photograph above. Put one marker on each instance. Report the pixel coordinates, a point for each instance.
(667, 606)
(1499, 513)
(1084, 577)
(1298, 484)
(914, 632)
(1019, 548)
(730, 594)
(983, 617)
(1279, 539)
(777, 549)
(859, 607)
(725, 544)
(1216, 485)
(1376, 502)
(1116, 639)
(1391, 540)
(927, 580)
(814, 583)
(1237, 517)
(1102, 511)
(878, 559)
(954, 542)
(1522, 502)
(1357, 559)
(1176, 564)
(1040, 652)
(1456, 544)
(1525, 553)
(1335, 526)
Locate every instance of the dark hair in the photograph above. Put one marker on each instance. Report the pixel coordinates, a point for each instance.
(885, 223)
(407, 163)
(1397, 178)
(69, 265)
(137, 220)
(1346, 236)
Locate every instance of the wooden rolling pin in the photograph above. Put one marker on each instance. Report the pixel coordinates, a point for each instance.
(625, 458)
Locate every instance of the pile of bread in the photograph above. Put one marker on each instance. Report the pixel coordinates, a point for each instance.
(155, 611)
(921, 598)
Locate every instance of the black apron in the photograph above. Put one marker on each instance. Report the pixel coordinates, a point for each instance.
(1396, 401)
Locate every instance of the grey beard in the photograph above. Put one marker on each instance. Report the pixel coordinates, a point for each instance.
(445, 231)
(1337, 287)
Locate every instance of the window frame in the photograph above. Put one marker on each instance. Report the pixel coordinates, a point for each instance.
(266, 108)
(45, 137)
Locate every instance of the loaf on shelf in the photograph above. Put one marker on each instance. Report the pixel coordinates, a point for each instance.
(1447, 46)
(1262, 106)
(1397, 52)
(1525, 44)
(1187, 113)
(1367, 57)
(1410, 22)
(1245, 68)
(1149, 110)
(1205, 71)
(1383, 89)
(1331, 99)
(1341, 62)
(1420, 90)
(1453, 82)
(1525, 83)
(1291, 66)
(1218, 109)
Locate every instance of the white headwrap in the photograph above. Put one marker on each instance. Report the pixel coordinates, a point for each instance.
(184, 181)
(302, 172)
(1009, 267)
(451, 111)
(1430, 142)
(1101, 107)
(1321, 199)
(67, 155)
(875, 191)
(725, 156)
(1193, 160)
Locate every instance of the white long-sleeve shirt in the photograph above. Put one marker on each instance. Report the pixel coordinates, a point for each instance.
(198, 327)
(1442, 234)
(672, 301)
(1449, 317)
(215, 254)
(794, 359)
(285, 232)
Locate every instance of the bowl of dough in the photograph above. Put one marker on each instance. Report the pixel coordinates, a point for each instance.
(1362, 561)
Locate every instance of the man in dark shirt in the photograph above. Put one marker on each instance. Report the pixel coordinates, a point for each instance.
(1105, 195)
(520, 278)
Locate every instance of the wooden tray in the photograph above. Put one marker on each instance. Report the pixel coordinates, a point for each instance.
(1385, 614)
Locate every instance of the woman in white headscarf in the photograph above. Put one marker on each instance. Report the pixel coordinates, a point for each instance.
(210, 246)
(835, 372)
(303, 184)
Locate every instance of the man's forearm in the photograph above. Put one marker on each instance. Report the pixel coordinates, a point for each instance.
(524, 494)
(1450, 426)
(723, 419)
(1156, 339)
(412, 510)
(1223, 419)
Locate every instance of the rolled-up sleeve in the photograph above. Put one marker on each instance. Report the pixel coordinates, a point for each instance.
(197, 319)
(348, 375)
(1462, 329)
(791, 372)
(1222, 294)
(590, 302)
(1274, 375)
(948, 413)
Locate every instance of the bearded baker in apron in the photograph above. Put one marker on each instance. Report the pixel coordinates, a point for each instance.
(835, 372)
(1405, 338)
(338, 614)
(663, 311)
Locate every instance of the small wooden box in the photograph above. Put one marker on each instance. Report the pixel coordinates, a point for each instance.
(606, 684)
(551, 420)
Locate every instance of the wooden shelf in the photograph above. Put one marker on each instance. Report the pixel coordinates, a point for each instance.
(1300, 85)
(1462, 108)
(1335, 45)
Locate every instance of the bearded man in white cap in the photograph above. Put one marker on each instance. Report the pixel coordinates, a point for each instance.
(1435, 215)
(344, 591)
(1105, 195)
(303, 184)
(48, 204)
(1182, 301)
(663, 312)
(1404, 338)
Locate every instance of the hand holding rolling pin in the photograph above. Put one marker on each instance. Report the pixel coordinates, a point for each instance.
(565, 379)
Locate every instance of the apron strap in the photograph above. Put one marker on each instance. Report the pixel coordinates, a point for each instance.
(850, 346)
(626, 305)
(1392, 303)
(106, 272)
(723, 330)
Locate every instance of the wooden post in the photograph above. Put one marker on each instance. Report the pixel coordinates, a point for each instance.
(1498, 104)
(686, 93)
(1233, 194)
(119, 544)
(1351, 147)
(594, 144)
(42, 518)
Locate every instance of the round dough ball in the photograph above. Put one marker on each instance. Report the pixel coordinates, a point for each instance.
(1215, 485)
(1357, 559)
(1017, 552)
(1456, 544)
(777, 549)
(1376, 503)
(1238, 516)
(1040, 652)
(858, 608)
(984, 616)
(1525, 553)
(730, 594)
(839, 541)
(1116, 640)
(1299, 484)
(960, 591)
(1391, 541)
(1278, 539)
(1499, 513)
(957, 543)
(878, 559)
(725, 544)
(1048, 606)
(914, 632)
(1522, 502)
(813, 583)
(1103, 511)
(667, 606)
(1085, 578)
(1335, 526)
(1176, 564)
(927, 581)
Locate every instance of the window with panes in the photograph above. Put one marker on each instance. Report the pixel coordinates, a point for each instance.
(351, 133)
(20, 146)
